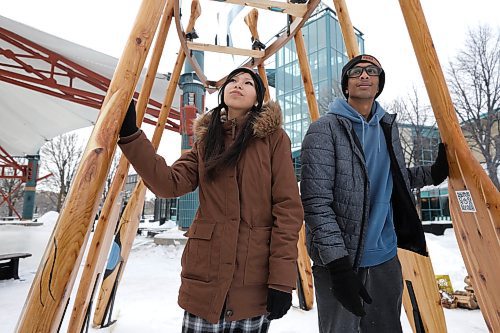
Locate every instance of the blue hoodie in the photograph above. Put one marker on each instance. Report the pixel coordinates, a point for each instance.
(380, 240)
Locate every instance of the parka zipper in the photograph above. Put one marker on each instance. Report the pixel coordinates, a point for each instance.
(357, 144)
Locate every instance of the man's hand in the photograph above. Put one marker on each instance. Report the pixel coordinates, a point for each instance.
(440, 170)
(347, 287)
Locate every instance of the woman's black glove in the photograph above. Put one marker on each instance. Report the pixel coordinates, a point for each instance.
(278, 303)
(439, 170)
(129, 126)
(347, 287)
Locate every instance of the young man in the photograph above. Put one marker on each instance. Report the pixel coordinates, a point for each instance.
(359, 207)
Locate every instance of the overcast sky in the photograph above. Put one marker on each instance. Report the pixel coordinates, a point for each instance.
(105, 25)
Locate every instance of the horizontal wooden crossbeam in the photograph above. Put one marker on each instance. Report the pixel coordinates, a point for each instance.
(297, 10)
(225, 49)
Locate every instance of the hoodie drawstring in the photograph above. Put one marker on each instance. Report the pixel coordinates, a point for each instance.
(378, 131)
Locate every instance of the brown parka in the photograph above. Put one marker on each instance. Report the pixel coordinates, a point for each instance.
(244, 236)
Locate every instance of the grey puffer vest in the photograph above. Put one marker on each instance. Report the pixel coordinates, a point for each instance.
(335, 191)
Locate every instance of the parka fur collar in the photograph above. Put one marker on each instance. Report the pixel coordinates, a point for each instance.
(268, 121)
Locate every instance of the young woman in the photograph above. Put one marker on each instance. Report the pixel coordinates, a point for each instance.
(239, 263)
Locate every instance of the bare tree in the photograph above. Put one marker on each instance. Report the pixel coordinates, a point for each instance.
(418, 133)
(61, 156)
(13, 189)
(418, 129)
(111, 174)
(326, 96)
(475, 86)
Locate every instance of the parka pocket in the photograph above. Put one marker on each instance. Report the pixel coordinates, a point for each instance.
(257, 263)
(196, 259)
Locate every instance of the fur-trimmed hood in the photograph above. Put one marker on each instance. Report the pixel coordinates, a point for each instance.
(268, 121)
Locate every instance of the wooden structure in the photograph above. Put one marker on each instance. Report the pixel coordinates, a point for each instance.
(129, 221)
(49, 295)
(108, 217)
(251, 21)
(474, 200)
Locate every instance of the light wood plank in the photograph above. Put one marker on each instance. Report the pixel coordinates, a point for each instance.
(225, 49)
(297, 10)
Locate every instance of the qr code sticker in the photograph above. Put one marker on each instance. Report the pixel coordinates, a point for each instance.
(465, 201)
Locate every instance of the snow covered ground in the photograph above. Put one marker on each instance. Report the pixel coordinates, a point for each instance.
(147, 297)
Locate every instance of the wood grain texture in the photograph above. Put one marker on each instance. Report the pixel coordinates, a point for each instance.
(477, 232)
(54, 280)
(305, 72)
(129, 221)
(418, 269)
(350, 40)
(109, 215)
(251, 21)
(305, 270)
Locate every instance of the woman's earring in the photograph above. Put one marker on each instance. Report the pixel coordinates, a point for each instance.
(223, 115)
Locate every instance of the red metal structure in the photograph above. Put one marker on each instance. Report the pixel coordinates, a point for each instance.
(29, 65)
(11, 169)
(55, 75)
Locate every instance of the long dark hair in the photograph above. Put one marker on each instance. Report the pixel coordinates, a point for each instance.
(216, 157)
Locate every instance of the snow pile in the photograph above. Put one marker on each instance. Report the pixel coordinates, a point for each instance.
(147, 296)
(49, 219)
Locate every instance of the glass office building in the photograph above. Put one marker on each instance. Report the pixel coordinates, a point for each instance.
(327, 55)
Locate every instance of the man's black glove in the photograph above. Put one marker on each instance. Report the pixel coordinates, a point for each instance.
(129, 126)
(347, 287)
(278, 303)
(439, 170)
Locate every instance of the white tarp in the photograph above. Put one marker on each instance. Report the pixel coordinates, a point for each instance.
(29, 118)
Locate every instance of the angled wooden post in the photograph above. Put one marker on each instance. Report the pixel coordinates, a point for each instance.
(54, 280)
(421, 298)
(474, 200)
(129, 220)
(109, 216)
(251, 21)
(303, 261)
(350, 40)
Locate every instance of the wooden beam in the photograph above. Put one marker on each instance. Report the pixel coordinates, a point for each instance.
(297, 10)
(476, 219)
(109, 216)
(129, 220)
(53, 283)
(350, 39)
(305, 72)
(225, 49)
(251, 21)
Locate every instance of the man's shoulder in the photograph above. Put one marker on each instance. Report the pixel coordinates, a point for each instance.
(325, 122)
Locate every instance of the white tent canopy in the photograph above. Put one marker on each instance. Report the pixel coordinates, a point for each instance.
(29, 118)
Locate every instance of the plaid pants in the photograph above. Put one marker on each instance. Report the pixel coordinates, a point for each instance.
(195, 324)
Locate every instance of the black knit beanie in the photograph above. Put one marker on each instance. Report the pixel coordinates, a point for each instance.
(356, 60)
(260, 89)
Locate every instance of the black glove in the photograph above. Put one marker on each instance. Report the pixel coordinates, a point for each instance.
(347, 287)
(439, 170)
(129, 126)
(278, 303)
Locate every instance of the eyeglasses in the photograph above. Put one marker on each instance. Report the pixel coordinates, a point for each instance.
(370, 70)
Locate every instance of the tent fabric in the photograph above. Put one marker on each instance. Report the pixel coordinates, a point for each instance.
(29, 118)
